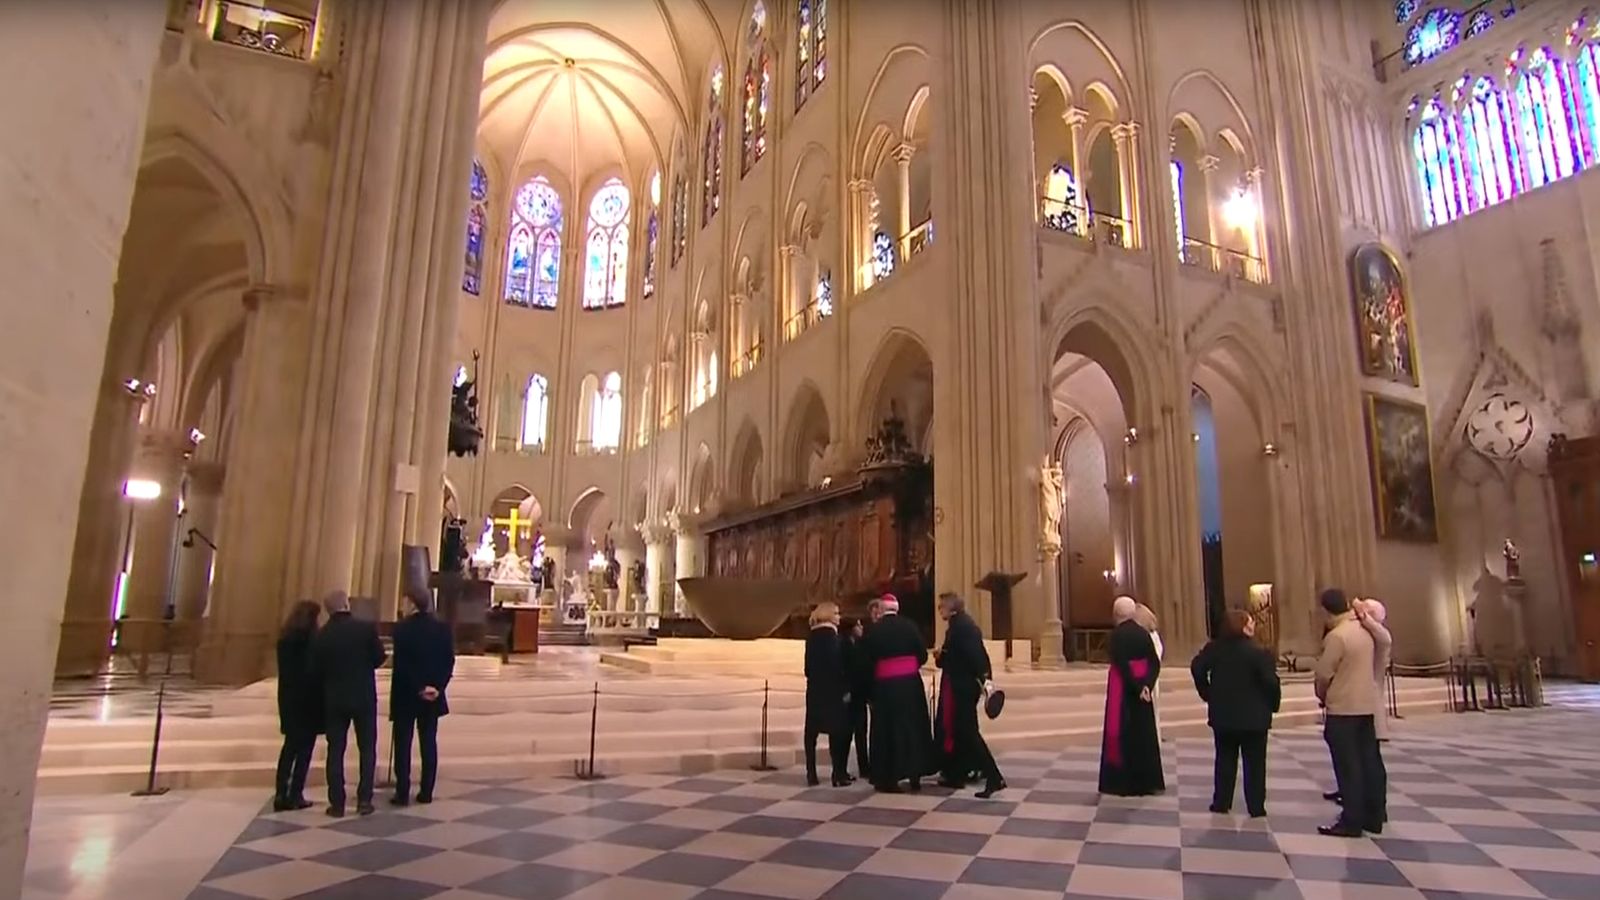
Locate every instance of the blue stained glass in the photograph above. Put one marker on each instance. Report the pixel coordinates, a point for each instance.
(1588, 90)
(533, 268)
(548, 271)
(883, 256)
(480, 183)
(1433, 34)
(519, 268)
(652, 232)
(825, 293)
(1481, 21)
(606, 264)
(1404, 10)
(472, 271)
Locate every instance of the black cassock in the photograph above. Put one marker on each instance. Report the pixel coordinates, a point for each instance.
(956, 737)
(1130, 752)
(902, 746)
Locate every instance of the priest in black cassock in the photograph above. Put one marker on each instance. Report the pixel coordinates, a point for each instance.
(956, 737)
(1130, 751)
(902, 748)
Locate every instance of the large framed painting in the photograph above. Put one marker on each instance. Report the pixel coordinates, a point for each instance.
(1402, 470)
(1383, 315)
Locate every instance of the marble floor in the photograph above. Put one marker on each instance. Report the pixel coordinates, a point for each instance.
(1482, 805)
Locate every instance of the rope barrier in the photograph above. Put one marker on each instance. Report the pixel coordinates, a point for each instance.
(580, 770)
(150, 789)
(764, 765)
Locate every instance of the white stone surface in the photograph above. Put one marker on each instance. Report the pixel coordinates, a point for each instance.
(74, 79)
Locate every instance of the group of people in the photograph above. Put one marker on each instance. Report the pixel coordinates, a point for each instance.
(327, 686)
(1238, 680)
(866, 685)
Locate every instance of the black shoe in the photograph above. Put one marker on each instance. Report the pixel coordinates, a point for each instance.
(365, 809)
(843, 780)
(1219, 809)
(424, 798)
(812, 780)
(300, 803)
(1258, 814)
(990, 789)
(888, 788)
(1375, 829)
(1333, 797)
(1339, 829)
(399, 800)
(281, 804)
(335, 812)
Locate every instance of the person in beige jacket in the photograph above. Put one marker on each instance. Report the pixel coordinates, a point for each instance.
(1371, 614)
(1349, 695)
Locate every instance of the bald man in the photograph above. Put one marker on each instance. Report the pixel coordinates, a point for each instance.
(344, 656)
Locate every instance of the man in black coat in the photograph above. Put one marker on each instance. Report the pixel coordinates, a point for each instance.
(902, 748)
(344, 656)
(966, 667)
(424, 660)
(1238, 680)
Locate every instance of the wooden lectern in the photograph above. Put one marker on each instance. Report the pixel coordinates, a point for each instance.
(999, 585)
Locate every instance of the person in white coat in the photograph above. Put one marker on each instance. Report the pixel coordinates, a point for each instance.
(1146, 618)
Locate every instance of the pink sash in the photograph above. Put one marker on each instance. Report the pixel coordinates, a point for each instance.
(896, 667)
(1113, 726)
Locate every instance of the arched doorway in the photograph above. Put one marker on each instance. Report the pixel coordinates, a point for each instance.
(1090, 387)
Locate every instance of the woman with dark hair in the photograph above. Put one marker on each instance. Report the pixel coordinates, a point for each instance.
(299, 706)
(1239, 683)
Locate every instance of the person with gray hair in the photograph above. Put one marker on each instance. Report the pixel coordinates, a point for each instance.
(344, 657)
(1130, 751)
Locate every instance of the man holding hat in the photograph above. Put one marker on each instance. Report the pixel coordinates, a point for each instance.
(966, 667)
(901, 747)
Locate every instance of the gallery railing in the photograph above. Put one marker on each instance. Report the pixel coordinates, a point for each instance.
(746, 362)
(801, 322)
(1212, 258)
(1080, 221)
(916, 240)
(261, 28)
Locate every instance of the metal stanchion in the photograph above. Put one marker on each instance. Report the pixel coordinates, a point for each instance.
(150, 789)
(585, 770)
(1394, 696)
(764, 765)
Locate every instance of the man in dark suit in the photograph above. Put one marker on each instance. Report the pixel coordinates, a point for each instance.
(956, 736)
(424, 660)
(344, 656)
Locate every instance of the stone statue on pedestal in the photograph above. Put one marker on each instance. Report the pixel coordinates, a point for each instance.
(511, 568)
(1513, 561)
(1050, 497)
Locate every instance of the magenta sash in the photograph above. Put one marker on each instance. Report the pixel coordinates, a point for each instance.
(896, 667)
(947, 714)
(1113, 728)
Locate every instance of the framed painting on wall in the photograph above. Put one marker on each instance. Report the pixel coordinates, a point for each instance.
(1383, 315)
(1402, 470)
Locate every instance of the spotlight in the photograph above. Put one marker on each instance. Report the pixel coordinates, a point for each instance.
(1239, 211)
(196, 436)
(1132, 437)
(1128, 478)
(1269, 449)
(141, 489)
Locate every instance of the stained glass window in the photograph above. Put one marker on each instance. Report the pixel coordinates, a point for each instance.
(883, 256)
(535, 412)
(1484, 126)
(1479, 22)
(606, 427)
(811, 49)
(477, 219)
(711, 158)
(1587, 89)
(652, 234)
(461, 377)
(1063, 201)
(605, 274)
(680, 214)
(1175, 170)
(824, 293)
(533, 254)
(1432, 145)
(1541, 113)
(1437, 31)
(1404, 10)
(757, 88)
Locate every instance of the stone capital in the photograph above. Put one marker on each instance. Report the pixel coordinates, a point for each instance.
(207, 477)
(860, 186)
(257, 296)
(1209, 163)
(1125, 132)
(1075, 117)
(164, 443)
(903, 153)
(1252, 177)
(789, 251)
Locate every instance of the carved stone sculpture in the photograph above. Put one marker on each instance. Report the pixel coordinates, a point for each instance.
(1050, 496)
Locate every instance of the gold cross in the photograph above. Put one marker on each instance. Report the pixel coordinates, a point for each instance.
(515, 525)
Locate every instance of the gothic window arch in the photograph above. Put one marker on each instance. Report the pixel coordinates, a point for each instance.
(1486, 130)
(712, 152)
(757, 88)
(652, 237)
(605, 277)
(822, 296)
(883, 255)
(1542, 96)
(1436, 32)
(1587, 89)
(477, 221)
(811, 49)
(1434, 151)
(606, 427)
(533, 249)
(536, 413)
(1063, 200)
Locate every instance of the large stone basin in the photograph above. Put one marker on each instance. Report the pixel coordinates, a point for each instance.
(743, 609)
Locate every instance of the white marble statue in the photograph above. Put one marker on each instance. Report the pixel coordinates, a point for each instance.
(483, 554)
(511, 568)
(1050, 496)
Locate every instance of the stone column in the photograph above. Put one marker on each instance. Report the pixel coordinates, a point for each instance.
(149, 584)
(902, 159)
(1208, 183)
(689, 548)
(1075, 118)
(85, 131)
(860, 237)
(984, 344)
(203, 499)
(657, 561)
(1126, 139)
(248, 595)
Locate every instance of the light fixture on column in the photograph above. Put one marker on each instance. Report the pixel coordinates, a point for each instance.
(1110, 575)
(141, 489)
(196, 436)
(1239, 211)
(1269, 449)
(1195, 435)
(1128, 479)
(1132, 437)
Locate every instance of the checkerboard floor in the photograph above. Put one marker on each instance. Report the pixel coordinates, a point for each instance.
(1483, 805)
